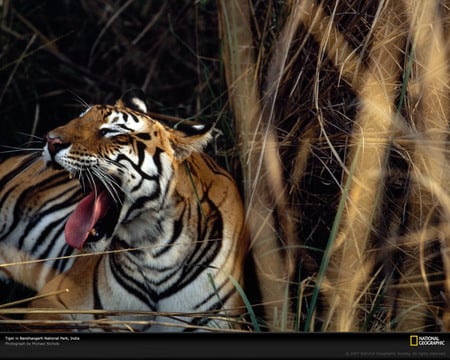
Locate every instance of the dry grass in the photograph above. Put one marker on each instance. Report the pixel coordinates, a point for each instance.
(335, 122)
(355, 99)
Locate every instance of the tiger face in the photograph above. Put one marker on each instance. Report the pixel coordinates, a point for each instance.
(125, 163)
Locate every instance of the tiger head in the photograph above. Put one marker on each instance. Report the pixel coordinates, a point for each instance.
(125, 162)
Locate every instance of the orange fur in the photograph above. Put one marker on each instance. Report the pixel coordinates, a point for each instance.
(196, 181)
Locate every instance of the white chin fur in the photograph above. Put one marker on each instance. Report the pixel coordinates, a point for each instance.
(46, 154)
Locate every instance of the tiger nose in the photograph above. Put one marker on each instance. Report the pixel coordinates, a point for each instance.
(54, 143)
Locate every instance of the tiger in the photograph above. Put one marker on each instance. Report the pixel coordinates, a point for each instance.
(35, 203)
(159, 226)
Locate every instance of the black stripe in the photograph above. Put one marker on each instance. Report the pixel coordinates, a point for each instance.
(177, 229)
(143, 136)
(125, 127)
(15, 218)
(62, 264)
(214, 239)
(136, 167)
(140, 146)
(44, 237)
(198, 261)
(95, 287)
(49, 182)
(139, 204)
(212, 165)
(203, 321)
(39, 215)
(129, 282)
(23, 165)
(216, 293)
(134, 117)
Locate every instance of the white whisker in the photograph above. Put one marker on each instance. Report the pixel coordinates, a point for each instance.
(91, 179)
(30, 136)
(14, 149)
(79, 99)
(109, 182)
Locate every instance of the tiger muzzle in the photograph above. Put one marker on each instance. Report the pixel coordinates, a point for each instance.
(54, 144)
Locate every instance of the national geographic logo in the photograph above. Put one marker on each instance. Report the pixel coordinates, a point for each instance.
(416, 340)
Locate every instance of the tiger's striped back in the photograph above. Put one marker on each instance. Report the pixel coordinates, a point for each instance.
(163, 222)
(35, 202)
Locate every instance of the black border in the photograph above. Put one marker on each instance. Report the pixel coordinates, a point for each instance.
(221, 346)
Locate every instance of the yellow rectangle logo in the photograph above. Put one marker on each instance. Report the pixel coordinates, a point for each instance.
(413, 340)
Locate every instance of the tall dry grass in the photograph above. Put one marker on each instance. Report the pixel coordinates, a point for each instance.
(355, 97)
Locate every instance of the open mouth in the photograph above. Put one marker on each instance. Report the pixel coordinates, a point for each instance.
(94, 217)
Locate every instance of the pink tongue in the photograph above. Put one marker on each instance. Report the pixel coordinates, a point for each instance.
(90, 209)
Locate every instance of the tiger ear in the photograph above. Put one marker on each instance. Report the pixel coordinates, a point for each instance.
(133, 99)
(189, 138)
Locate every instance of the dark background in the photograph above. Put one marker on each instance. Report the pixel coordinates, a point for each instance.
(58, 54)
